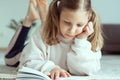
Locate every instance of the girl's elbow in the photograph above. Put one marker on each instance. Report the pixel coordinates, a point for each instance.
(85, 71)
(92, 70)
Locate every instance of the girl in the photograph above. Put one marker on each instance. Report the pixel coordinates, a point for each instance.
(18, 42)
(70, 41)
(71, 33)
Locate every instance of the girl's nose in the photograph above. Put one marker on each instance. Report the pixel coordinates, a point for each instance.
(73, 30)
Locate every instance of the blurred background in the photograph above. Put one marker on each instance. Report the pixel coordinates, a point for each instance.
(109, 11)
(13, 11)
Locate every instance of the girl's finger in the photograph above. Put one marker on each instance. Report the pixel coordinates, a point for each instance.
(90, 26)
(57, 74)
(52, 75)
(68, 74)
(63, 74)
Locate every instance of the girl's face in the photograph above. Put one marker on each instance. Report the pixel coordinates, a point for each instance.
(72, 23)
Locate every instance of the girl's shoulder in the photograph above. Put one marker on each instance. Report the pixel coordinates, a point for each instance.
(37, 36)
(38, 31)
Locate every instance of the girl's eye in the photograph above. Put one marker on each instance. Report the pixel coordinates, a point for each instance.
(79, 25)
(68, 23)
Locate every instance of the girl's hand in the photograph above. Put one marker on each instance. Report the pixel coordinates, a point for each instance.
(32, 14)
(57, 72)
(43, 9)
(87, 30)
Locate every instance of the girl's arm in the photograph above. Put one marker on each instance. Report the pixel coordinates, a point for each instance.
(81, 60)
(34, 55)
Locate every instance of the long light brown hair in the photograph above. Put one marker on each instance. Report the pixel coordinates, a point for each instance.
(51, 27)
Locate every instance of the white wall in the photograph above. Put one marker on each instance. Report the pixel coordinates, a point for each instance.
(109, 11)
(10, 9)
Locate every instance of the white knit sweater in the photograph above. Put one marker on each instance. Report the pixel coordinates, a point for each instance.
(74, 56)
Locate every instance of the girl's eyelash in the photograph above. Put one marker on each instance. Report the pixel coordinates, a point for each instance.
(67, 22)
(79, 25)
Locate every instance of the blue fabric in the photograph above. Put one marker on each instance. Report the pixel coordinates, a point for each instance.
(18, 46)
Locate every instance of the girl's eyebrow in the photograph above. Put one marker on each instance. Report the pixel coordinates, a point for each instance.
(66, 20)
(65, 17)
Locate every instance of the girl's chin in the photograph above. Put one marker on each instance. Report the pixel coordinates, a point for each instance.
(69, 38)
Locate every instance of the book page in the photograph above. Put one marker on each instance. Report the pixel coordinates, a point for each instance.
(28, 73)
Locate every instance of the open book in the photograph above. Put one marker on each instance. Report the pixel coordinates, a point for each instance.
(26, 73)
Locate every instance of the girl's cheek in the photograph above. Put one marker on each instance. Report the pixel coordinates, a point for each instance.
(80, 30)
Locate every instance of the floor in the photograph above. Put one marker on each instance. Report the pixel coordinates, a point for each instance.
(110, 70)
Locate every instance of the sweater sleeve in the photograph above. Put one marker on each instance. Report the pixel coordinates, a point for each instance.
(81, 60)
(35, 55)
